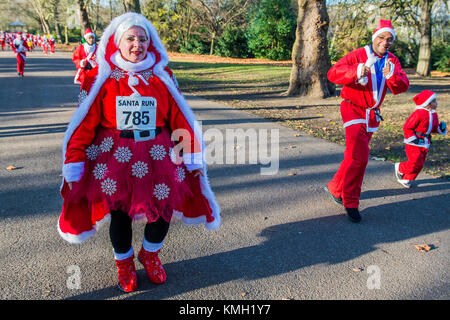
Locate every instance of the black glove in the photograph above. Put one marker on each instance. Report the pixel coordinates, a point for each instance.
(442, 126)
(418, 141)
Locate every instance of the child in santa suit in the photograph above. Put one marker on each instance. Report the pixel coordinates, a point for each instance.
(366, 74)
(20, 48)
(120, 161)
(84, 57)
(418, 129)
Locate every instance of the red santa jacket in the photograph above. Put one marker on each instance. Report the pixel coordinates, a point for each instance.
(365, 100)
(420, 124)
(103, 111)
(20, 47)
(84, 61)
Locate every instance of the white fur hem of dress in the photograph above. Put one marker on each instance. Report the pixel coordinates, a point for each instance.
(104, 71)
(79, 238)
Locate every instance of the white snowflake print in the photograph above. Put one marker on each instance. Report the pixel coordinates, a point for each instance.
(180, 174)
(117, 74)
(139, 169)
(147, 74)
(100, 171)
(123, 154)
(83, 94)
(161, 191)
(107, 144)
(158, 152)
(109, 186)
(92, 152)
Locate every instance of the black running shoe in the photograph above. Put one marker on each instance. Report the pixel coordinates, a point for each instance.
(337, 200)
(353, 214)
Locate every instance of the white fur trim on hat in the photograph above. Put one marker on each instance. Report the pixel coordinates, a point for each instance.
(427, 102)
(380, 31)
(88, 35)
(136, 21)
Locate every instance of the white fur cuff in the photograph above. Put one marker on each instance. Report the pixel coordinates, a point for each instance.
(193, 161)
(73, 171)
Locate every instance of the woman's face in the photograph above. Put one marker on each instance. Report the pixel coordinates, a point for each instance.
(133, 44)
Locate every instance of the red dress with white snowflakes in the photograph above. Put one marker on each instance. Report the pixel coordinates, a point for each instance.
(141, 178)
(114, 171)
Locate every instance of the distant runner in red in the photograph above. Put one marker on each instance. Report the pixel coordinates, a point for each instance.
(2, 40)
(84, 57)
(20, 48)
(365, 73)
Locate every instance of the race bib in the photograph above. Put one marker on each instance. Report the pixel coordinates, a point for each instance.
(135, 113)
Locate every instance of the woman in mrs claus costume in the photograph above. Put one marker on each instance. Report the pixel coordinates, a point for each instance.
(119, 160)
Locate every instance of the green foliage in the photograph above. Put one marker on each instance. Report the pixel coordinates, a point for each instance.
(233, 43)
(272, 29)
(440, 56)
(407, 52)
(196, 43)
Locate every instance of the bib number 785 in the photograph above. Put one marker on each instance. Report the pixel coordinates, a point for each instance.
(137, 117)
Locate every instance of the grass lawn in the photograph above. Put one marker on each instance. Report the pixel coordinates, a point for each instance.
(258, 88)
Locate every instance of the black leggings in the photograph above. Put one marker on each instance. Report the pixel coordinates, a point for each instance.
(121, 233)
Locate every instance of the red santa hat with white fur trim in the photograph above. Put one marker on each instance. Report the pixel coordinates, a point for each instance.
(383, 26)
(87, 33)
(424, 98)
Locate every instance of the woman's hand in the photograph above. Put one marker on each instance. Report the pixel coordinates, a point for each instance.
(196, 172)
(70, 184)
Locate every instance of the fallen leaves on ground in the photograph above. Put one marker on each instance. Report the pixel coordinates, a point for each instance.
(423, 247)
(11, 168)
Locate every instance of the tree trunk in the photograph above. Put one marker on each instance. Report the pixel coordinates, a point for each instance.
(84, 18)
(56, 22)
(424, 62)
(66, 35)
(310, 59)
(211, 48)
(132, 6)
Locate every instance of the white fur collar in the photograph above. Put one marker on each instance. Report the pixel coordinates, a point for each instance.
(120, 62)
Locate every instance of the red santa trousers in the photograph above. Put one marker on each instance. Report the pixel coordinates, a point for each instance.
(416, 160)
(348, 179)
(20, 63)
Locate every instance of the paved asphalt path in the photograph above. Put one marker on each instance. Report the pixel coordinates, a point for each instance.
(281, 238)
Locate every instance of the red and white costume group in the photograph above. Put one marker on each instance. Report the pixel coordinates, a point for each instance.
(360, 111)
(418, 129)
(84, 58)
(138, 175)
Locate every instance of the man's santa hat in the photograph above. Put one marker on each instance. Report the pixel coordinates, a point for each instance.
(383, 26)
(424, 98)
(87, 33)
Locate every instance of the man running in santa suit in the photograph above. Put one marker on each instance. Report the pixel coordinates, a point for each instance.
(20, 47)
(365, 74)
(84, 57)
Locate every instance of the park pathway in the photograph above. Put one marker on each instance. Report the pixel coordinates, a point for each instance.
(281, 235)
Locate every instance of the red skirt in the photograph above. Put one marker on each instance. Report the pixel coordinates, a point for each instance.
(141, 178)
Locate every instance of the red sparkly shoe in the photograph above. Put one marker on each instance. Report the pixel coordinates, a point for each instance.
(127, 274)
(152, 266)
